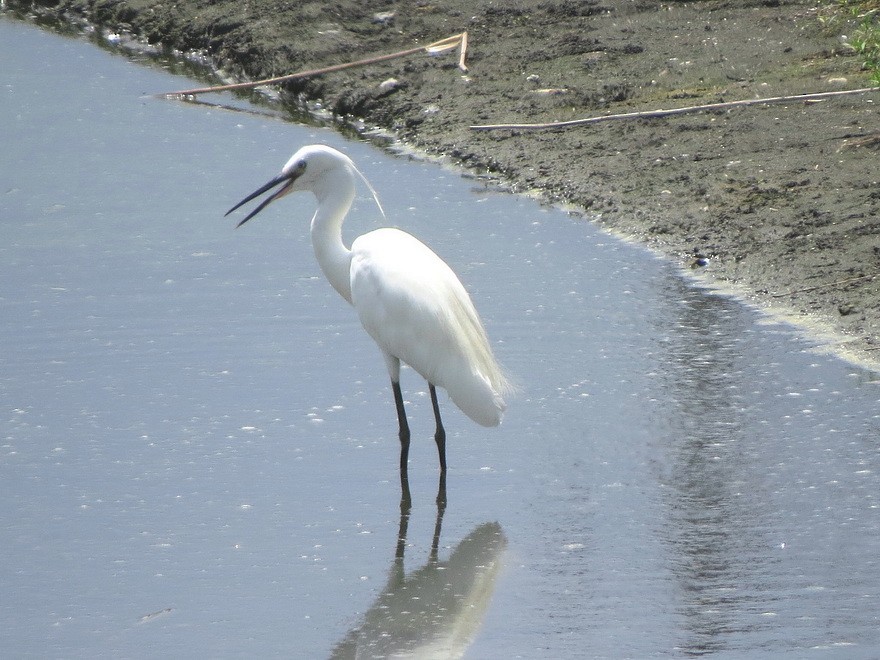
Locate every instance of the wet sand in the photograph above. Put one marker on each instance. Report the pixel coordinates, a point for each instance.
(778, 203)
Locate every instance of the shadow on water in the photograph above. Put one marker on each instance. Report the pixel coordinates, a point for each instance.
(436, 610)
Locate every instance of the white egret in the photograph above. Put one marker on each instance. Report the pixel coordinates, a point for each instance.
(408, 299)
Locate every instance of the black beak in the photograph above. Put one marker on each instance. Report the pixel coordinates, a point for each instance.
(286, 179)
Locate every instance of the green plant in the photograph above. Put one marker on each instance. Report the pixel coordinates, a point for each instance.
(862, 19)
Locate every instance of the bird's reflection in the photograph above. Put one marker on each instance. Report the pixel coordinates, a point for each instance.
(435, 611)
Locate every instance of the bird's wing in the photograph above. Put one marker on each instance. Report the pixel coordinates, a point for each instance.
(413, 305)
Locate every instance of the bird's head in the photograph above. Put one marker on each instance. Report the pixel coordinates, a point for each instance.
(308, 169)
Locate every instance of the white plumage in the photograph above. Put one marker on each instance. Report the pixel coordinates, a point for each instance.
(415, 308)
(408, 299)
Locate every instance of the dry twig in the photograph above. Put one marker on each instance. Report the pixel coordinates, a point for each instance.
(828, 285)
(674, 111)
(442, 46)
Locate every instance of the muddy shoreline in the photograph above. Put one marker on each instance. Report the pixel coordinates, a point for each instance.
(779, 204)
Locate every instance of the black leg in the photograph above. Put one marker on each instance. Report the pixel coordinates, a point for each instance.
(441, 509)
(404, 430)
(405, 508)
(440, 433)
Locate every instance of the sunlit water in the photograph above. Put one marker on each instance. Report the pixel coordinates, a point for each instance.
(198, 451)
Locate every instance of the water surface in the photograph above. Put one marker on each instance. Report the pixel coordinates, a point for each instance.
(198, 442)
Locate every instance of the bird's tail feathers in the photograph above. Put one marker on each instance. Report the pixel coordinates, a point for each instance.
(479, 400)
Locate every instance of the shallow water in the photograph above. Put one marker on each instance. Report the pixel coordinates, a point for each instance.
(198, 445)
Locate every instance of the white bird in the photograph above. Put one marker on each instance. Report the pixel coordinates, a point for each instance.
(408, 299)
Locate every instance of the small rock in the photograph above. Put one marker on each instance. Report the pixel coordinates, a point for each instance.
(390, 85)
(384, 18)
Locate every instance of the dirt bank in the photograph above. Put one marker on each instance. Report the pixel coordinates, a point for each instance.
(781, 202)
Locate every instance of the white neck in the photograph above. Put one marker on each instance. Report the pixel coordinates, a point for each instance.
(335, 195)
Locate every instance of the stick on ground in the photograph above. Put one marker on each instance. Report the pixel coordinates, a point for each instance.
(437, 47)
(675, 111)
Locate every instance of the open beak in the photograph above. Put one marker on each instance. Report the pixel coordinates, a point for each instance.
(283, 180)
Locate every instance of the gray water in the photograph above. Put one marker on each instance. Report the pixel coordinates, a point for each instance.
(198, 450)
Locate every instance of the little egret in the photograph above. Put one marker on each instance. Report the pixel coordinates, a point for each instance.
(408, 299)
